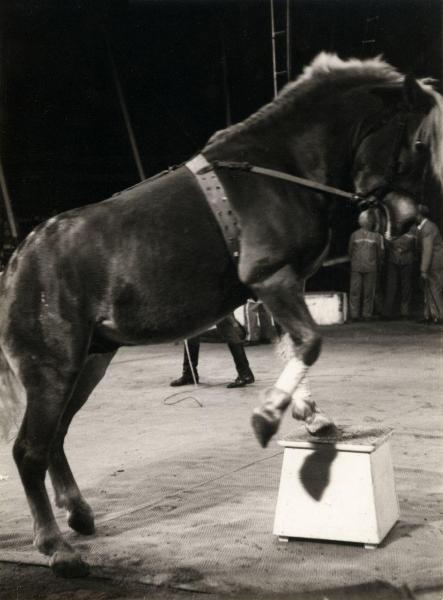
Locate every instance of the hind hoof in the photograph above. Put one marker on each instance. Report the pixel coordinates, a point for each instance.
(320, 424)
(82, 521)
(264, 426)
(68, 565)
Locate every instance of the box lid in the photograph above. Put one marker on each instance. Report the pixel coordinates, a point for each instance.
(347, 439)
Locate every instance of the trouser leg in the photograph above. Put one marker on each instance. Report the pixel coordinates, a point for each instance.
(194, 351)
(390, 290)
(406, 288)
(240, 359)
(434, 295)
(369, 284)
(378, 294)
(188, 374)
(355, 294)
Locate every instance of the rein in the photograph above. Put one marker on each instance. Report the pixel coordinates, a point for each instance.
(321, 187)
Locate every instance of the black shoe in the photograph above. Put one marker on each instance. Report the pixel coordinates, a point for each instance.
(242, 380)
(424, 321)
(185, 379)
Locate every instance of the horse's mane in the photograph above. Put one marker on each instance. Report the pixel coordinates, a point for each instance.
(325, 67)
(430, 131)
(329, 68)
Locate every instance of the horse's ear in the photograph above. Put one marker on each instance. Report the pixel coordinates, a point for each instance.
(415, 97)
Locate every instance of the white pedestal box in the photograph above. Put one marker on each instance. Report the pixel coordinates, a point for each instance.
(327, 308)
(337, 488)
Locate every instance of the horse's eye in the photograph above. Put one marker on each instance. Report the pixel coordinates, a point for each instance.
(419, 146)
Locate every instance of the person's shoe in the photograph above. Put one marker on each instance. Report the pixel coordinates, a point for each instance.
(424, 321)
(242, 380)
(185, 379)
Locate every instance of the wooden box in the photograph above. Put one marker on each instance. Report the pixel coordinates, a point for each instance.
(337, 488)
(327, 308)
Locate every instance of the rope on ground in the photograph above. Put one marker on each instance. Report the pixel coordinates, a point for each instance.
(149, 505)
(167, 400)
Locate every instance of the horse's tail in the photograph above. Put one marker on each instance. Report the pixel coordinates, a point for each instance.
(11, 397)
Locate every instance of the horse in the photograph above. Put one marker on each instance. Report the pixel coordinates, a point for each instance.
(249, 216)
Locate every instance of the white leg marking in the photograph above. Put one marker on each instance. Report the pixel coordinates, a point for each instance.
(302, 404)
(293, 373)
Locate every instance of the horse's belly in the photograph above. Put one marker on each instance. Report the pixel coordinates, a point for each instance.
(132, 331)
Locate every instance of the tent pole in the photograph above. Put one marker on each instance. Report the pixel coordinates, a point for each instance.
(225, 79)
(124, 110)
(7, 203)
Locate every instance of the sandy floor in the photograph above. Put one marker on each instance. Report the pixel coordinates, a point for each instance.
(185, 498)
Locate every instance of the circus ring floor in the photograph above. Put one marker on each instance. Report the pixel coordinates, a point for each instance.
(185, 498)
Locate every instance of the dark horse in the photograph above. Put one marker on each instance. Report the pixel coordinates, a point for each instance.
(152, 264)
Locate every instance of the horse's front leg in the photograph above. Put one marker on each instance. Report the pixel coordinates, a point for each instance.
(282, 293)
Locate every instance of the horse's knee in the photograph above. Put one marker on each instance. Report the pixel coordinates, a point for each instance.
(305, 348)
(311, 349)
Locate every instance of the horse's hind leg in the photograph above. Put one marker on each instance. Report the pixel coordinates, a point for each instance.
(48, 386)
(67, 493)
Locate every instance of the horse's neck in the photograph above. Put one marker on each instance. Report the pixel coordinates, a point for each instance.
(293, 146)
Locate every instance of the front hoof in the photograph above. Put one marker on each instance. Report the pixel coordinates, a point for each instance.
(81, 520)
(264, 426)
(68, 565)
(320, 424)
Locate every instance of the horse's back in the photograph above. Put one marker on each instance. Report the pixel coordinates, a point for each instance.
(145, 265)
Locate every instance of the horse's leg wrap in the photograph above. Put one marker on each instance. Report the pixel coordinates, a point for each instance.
(305, 409)
(266, 419)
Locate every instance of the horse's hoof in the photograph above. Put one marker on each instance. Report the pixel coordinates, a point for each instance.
(320, 424)
(68, 564)
(264, 426)
(81, 520)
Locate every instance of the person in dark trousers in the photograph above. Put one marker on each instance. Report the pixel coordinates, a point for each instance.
(430, 245)
(400, 267)
(366, 249)
(233, 334)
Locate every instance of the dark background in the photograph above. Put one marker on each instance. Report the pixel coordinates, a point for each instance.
(185, 67)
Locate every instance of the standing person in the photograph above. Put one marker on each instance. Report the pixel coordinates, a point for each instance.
(430, 244)
(233, 334)
(400, 259)
(366, 251)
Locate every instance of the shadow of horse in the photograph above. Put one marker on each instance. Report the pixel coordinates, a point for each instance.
(319, 463)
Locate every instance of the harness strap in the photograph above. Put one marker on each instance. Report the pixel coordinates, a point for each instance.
(321, 187)
(218, 201)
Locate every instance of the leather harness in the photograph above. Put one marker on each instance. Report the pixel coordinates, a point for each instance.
(218, 201)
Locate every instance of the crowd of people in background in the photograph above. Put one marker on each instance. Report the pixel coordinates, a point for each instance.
(391, 267)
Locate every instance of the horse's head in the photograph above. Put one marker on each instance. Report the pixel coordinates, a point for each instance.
(398, 144)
